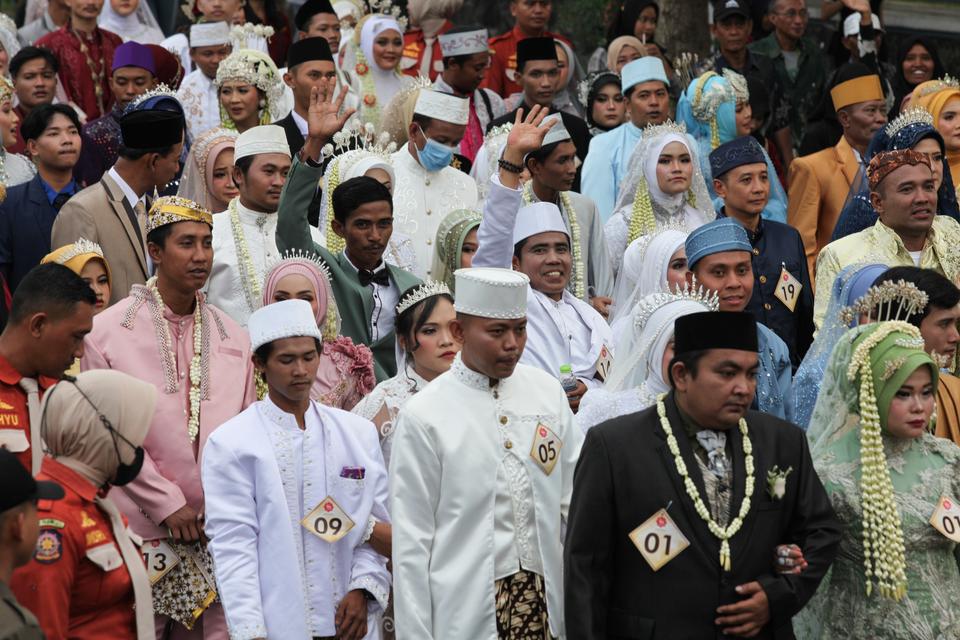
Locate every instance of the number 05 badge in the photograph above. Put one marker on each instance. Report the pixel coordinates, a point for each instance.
(546, 448)
(946, 518)
(328, 521)
(659, 539)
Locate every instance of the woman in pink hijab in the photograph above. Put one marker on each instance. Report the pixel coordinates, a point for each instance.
(346, 369)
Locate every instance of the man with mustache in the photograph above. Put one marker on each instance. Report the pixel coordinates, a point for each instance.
(646, 88)
(34, 74)
(719, 255)
(782, 296)
(908, 232)
(677, 509)
(534, 239)
(820, 182)
(366, 287)
(166, 333)
(480, 477)
(244, 236)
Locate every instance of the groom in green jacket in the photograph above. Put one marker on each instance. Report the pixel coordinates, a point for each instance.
(366, 288)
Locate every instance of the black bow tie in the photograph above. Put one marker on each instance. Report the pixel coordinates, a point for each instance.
(61, 200)
(380, 277)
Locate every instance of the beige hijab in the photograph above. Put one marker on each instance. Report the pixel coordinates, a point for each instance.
(77, 437)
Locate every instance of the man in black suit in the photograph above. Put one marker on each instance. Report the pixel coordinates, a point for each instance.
(628, 571)
(538, 70)
(52, 136)
(309, 64)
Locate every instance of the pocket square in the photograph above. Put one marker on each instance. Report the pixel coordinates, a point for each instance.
(353, 473)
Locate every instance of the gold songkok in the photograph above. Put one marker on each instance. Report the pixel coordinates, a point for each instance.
(856, 90)
(171, 209)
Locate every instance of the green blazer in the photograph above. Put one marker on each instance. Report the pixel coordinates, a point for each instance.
(354, 300)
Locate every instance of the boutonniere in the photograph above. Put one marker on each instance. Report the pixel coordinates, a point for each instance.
(777, 482)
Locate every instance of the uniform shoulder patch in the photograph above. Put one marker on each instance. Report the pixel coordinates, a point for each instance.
(49, 546)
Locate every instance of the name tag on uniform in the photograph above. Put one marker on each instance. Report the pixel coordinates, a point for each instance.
(328, 521)
(160, 559)
(659, 539)
(14, 440)
(788, 289)
(604, 362)
(946, 518)
(546, 448)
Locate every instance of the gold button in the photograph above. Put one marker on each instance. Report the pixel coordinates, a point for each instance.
(503, 419)
(508, 444)
(766, 305)
(756, 252)
(427, 182)
(429, 241)
(429, 211)
(763, 279)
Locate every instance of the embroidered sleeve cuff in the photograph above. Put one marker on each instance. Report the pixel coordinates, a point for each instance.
(379, 591)
(248, 632)
(371, 523)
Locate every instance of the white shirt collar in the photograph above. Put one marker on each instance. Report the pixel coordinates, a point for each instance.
(249, 216)
(301, 123)
(376, 269)
(128, 193)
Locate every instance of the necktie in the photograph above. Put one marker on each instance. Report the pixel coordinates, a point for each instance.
(141, 211)
(715, 443)
(427, 59)
(142, 594)
(379, 277)
(30, 387)
(61, 200)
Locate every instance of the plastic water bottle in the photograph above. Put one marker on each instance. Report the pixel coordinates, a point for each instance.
(568, 381)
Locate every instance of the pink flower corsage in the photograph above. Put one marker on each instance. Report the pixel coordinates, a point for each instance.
(369, 99)
(361, 68)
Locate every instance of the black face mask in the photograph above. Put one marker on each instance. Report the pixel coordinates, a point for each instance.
(127, 472)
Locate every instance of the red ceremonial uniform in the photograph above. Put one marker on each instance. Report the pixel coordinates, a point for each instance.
(14, 413)
(414, 46)
(86, 63)
(76, 583)
(502, 75)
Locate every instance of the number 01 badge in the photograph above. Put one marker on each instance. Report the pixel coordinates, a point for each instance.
(659, 539)
(946, 518)
(328, 521)
(546, 448)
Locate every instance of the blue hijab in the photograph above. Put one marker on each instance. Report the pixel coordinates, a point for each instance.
(850, 284)
(858, 213)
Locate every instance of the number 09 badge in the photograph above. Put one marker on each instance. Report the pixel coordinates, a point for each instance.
(659, 539)
(328, 521)
(546, 448)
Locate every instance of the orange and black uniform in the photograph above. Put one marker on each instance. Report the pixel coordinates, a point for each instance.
(14, 414)
(502, 75)
(414, 46)
(76, 583)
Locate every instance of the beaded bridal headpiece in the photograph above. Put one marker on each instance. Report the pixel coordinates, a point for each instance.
(910, 117)
(691, 292)
(79, 248)
(936, 86)
(426, 290)
(886, 302)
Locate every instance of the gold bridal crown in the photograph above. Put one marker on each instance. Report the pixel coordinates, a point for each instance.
(887, 301)
(426, 290)
(654, 130)
(159, 90)
(79, 248)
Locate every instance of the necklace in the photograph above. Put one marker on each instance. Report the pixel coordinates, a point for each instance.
(578, 267)
(96, 71)
(368, 89)
(248, 274)
(724, 534)
(166, 347)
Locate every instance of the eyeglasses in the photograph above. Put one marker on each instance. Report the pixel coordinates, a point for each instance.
(792, 14)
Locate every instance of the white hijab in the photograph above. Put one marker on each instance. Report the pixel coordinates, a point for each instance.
(387, 83)
(644, 271)
(140, 26)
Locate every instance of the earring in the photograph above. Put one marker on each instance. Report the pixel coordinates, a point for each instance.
(263, 103)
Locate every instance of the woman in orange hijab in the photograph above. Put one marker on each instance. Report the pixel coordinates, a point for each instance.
(942, 99)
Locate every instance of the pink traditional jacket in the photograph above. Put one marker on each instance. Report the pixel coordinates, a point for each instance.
(128, 337)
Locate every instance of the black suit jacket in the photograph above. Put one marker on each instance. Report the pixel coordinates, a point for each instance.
(26, 222)
(626, 473)
(294, 137)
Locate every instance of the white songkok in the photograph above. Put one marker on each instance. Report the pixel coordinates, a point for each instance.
(267, 138)
(292, 318)
(442, 106)
(464, 44)
(491, 293)
(539, 217)
(558, 132)
(209, 34)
